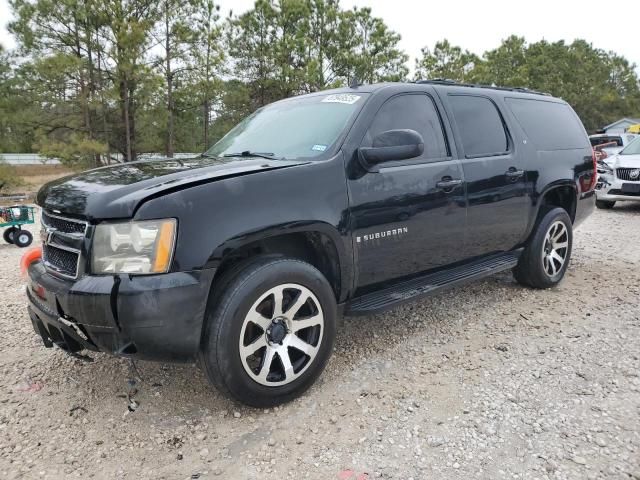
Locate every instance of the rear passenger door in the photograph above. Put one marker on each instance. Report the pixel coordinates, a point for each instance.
(494, 173)
(409, 216)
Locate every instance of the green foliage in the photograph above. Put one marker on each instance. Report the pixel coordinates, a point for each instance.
(94, 78)
(446, 61)
(9, 177)
(75, 152)
(601, 86)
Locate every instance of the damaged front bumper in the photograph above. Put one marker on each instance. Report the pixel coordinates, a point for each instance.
(610, 188)
(157, 317)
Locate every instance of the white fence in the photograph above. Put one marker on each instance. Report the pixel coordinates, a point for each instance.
(28, 159)
(35, 159)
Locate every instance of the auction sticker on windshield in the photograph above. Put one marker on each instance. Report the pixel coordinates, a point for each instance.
(347, 98)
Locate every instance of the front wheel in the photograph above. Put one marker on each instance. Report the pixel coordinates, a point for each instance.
(546, 257)
(270, 331)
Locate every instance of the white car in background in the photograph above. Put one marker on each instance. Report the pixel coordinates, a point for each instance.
(606, 145)
(619, 177)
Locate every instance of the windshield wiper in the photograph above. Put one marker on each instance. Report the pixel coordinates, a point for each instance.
(248, 153)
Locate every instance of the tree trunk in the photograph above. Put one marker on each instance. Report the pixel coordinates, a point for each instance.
(206, 114)
(169, 76)
(124, 99)
(105, 130)
(92, 88)
(84, 90)
(206, 104)
(132, 116)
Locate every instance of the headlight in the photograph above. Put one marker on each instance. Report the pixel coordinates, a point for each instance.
(137, 248)
(604, 168)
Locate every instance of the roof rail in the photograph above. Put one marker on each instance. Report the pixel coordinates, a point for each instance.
(446, 81)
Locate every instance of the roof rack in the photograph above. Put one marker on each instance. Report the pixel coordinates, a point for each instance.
(446, 81)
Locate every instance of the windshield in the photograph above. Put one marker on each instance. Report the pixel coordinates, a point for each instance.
(632, 149)
(303, 127)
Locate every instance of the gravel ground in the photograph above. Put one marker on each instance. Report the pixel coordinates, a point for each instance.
(489, 381)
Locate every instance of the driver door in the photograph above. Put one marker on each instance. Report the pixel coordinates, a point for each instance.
(409, 215)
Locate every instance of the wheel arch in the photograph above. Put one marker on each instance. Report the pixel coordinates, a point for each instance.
(558, 194)
(319, 244)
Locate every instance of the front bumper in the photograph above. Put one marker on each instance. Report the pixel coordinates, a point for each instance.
(157, 317)
(609, 188)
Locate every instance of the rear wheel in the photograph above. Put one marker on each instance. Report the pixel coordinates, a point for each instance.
(22, 238)
(270, 332)
(605, 204)
(546, 257)
(8, 234)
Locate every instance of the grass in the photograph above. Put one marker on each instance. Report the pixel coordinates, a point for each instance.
(31, 177)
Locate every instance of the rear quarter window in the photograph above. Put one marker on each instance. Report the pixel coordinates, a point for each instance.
(549, 125)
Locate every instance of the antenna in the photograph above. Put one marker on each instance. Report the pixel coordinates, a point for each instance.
(355, 83)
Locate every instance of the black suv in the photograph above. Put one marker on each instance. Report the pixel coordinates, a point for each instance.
(346, 201)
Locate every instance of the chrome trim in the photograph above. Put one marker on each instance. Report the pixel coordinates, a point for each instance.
(62, 247)
(66, 219)
(628, 174)
(47, 241)
(57, 270)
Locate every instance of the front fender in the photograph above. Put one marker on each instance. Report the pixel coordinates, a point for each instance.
(216, 218)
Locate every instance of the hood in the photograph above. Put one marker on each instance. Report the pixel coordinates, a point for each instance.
(624, 161)
(611, 151)
(117, 191)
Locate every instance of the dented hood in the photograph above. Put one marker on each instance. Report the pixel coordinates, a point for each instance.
(624, 161)
(117, 191)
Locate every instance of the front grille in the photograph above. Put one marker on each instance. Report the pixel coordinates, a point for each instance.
(63, 238)
(63, 225)
(629, 174)
(61, 261)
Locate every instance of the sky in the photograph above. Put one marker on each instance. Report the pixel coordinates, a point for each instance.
(481, 25)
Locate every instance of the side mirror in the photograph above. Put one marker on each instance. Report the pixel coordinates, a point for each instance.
(392, 145)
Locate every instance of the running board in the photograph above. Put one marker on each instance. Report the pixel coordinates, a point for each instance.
(430, 284)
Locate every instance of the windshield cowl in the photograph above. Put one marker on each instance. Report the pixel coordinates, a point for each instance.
(249, 154)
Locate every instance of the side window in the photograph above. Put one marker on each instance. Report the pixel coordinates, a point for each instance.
(416, 112)
(480, 126)
(552, 125)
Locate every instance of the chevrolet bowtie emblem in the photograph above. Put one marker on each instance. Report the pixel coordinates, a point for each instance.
(49, 231)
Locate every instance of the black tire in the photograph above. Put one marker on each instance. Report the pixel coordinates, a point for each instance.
(531, 269)
(605, 204)
(22, 238)
(8, 234)
(231, 300)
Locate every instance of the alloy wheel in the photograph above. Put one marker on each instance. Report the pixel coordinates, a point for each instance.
(281, 335)
(555, 248)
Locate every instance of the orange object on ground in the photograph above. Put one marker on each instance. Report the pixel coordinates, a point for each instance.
(28, 258)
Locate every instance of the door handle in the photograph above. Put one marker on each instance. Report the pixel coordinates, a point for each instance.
(512, 173)
(448, 184)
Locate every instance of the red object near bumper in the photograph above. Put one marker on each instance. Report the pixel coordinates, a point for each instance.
(30, 256)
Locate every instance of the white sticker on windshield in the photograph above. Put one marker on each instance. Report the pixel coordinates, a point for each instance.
(319, 148)
(347, 98)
